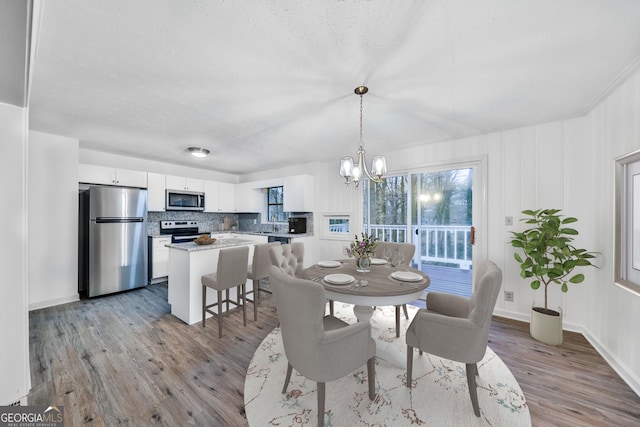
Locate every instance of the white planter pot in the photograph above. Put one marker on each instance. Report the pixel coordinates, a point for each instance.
(546, 328)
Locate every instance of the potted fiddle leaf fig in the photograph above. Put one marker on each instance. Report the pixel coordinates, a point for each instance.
(547, 257)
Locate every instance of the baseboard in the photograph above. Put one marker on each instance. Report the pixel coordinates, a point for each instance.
(627, 375)
(512, 315)
(52, 302)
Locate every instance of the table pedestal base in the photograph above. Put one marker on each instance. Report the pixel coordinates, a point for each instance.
(384, 350)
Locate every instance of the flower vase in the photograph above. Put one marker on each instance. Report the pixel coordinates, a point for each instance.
(363, 264)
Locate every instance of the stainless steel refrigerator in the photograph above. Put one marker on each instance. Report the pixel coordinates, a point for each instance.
(112, 239)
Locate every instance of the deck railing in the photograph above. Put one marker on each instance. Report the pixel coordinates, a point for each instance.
(434, 243)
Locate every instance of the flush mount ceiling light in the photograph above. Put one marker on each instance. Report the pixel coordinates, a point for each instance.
(353, 172)
(198, 152)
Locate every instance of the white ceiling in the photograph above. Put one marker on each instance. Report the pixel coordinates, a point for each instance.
(267, 83)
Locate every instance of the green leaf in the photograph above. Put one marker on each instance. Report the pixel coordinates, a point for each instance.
(578, 278)
(517, 244)
(570, 231)
(517, 257)
(564, 287)
(535, 284)
(529, 212)
(569, 220)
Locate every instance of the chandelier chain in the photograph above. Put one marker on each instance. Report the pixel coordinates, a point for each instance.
(361, 120)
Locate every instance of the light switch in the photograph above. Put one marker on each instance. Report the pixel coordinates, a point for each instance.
(508, 220)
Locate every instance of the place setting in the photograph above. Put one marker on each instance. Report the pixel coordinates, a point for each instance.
(329, 264)
(406, 277)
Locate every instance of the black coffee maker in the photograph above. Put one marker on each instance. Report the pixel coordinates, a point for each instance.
(297, 225)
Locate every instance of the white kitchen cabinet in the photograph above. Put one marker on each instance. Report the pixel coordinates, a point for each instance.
(299, 193)
(227, 198)
(159, 258)
(94, 174)
(249, 198)
(219, 197)
(211, 196)
(156, 192)
(181, 183)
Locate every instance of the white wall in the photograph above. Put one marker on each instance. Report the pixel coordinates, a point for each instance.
(53, 220)
(14, 322)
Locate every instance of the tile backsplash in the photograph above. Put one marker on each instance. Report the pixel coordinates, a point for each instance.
(208, 222)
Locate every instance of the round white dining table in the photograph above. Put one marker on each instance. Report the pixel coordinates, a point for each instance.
(368, 290)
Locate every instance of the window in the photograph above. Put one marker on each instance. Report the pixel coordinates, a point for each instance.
(275, 205)
(336, 226)
(627, 222)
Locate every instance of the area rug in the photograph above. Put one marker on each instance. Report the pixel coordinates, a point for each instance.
(439, 395)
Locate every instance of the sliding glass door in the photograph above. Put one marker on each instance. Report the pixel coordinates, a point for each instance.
(433, 210)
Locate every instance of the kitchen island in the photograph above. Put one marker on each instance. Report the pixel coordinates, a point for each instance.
(188, 262)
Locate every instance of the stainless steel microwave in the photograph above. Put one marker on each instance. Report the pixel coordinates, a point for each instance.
(179, 200)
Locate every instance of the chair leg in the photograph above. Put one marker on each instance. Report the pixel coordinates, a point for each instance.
(472, 371)
(243, 299)
(331, 307)
(320, 404)
(409, 365)
(256, 298)
(406, 311)
(397, 321)
(220, 316)
(287, 378)
(204, 304)
(371, 377)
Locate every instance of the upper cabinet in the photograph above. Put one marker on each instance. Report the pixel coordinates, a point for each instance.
(182, 183)
(211, 196)
(227, 199)
(299, 193)
(219, 197)
(93, 174)
(156, 192)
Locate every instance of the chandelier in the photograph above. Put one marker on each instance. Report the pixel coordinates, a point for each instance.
(352, 172)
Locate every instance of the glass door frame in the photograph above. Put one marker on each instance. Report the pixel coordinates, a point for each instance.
(479, 200)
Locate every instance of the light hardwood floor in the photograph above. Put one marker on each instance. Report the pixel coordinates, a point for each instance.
(123, 359)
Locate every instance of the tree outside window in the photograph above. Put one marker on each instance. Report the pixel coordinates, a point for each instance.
(275, 205)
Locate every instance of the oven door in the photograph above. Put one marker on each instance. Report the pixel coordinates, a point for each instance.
(184, 201)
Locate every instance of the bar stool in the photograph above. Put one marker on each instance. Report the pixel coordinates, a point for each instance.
(231, 272)
(257, 270)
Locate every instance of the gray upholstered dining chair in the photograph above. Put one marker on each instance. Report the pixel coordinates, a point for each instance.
(231, 272)
(457, 328)
(258, 270)
(408, 250)
(321, 348)
(289, 258)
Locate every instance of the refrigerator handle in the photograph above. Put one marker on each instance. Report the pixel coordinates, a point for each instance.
(107, 220)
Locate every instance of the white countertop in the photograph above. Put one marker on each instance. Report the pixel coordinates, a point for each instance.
(219, 244)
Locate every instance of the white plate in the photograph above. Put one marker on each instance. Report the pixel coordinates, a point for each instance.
(329, 264)
(339, 279)
(378, 261)
(406, 276)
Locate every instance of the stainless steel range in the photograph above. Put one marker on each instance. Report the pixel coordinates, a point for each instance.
(181, 231)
